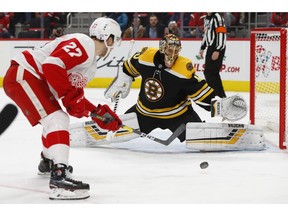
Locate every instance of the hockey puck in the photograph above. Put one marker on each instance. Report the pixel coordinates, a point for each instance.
(204, 165)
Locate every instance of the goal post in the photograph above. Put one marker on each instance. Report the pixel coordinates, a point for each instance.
(268, 80)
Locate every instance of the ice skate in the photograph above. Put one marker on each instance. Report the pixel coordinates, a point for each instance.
(63, 187)
(45, 166)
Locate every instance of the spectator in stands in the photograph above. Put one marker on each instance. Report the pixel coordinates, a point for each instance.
(12, 24)
(142, 16)
(35, 21)
(58, 31)
(279, 19)
(136, 30)
(241, 18)
(121, 18)
(195, 24)
(154, 28)
(177, 17)
(4, 25)
(50, 21)
(174, 29)
(174, 16)
(229, 19)
(53, 19)
(34, 28)
(164, 18)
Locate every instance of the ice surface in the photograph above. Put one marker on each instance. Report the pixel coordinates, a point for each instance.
(144, 172)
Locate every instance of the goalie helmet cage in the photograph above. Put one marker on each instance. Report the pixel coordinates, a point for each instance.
(268, 80)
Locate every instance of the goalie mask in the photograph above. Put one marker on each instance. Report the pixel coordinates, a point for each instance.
(102, 28)
(170, 46)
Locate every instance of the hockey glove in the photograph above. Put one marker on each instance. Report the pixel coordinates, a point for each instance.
(112, 121)
(74, 102)
(120, 84)
(231, 108)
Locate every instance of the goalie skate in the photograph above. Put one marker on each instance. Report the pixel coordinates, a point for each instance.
(63, 187)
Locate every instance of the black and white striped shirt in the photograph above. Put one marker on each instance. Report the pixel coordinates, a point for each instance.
(214, 32)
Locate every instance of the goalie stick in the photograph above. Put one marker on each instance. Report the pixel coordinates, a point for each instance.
(166, 142)
(7, 116)
(111, 134)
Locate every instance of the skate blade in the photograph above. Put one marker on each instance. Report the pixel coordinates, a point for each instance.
(62, 194)
(44, 174)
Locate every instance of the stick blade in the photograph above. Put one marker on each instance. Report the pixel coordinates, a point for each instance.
(7, 116)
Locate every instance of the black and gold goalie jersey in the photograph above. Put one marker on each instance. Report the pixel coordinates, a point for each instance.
(165, 93)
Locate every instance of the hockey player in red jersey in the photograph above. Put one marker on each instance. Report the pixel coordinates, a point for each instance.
(37, 79)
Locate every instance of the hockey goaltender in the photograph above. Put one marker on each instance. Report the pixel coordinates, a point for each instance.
(168, 85)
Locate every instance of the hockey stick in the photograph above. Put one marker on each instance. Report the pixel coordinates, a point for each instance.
(166, 142)
(7, 116)
(111, 134)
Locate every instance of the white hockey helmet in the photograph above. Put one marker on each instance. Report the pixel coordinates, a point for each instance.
(102, 28)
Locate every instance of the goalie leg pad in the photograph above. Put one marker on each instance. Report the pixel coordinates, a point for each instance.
(90, 134)
(224, 137)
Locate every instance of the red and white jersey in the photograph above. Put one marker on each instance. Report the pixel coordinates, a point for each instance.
(66, 62)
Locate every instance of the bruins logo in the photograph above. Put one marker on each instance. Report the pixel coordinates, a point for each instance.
(154, 90)
(189, 66)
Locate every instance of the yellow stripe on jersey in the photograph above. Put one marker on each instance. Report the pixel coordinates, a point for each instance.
(184, 67)
(206, 95)
(203, 92)
(164, 113)
(163, 116)
(126, 65)
(147, 55)
(135, 71)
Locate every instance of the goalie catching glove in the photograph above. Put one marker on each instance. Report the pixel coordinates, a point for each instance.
(231, 108)
(120, 84)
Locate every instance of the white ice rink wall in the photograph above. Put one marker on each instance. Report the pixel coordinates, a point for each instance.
(235, 68)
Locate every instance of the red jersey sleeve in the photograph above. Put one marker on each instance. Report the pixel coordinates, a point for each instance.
(71, 53)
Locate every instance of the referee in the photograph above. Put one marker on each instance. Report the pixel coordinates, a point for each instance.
(214, 39)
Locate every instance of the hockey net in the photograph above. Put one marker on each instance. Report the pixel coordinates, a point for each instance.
(268, 80)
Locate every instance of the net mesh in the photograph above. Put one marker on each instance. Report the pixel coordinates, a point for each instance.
(267, 79)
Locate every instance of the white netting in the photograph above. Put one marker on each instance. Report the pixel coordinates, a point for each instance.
(267, 78)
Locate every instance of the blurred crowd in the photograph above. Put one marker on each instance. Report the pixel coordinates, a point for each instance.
(33, 25)
(156, 25)
(133, 25)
